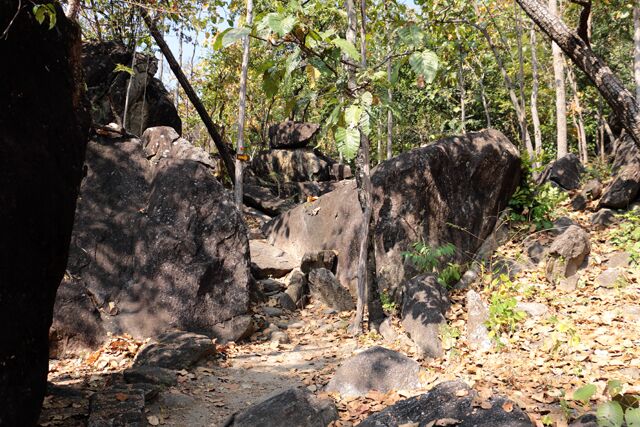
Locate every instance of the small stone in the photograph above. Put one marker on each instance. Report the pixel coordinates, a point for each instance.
(151, 375)
(608, 278)
(325, 288)
(477, 315)
(235, 329)
(603, 218)
(286, 302)
(579, 202)
(272, 311)
(533, 309)
(319, 259)
(270, 286)
(567, 254)
(619, 260)
(329, 311)
(280, 337)
(569, 284)
(592, 189)
(632, 313)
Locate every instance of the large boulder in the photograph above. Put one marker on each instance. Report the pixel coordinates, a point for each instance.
(624, 188)
(376, 368)
(43, 131)
(450, 403)
(303, 164)
(450, 191)
(155, 247)
(149, 102)
(292, 134)
(292, 408)
(566, 172)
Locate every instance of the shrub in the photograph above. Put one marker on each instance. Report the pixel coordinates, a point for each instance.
(433, 260)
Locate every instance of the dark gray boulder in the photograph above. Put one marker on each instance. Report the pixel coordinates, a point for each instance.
(43, 132)
(376, 368)
(150, 375)
(149, 102)
(155, 247)
(624, 188)
(319, 259)
(299, 165)
(326, 288)
(452, 400)
(566, 172)
(451, 191)
(175, 350)
(424, 304)
(603, 218)
(292, 408)
(292, 134)
(592, 189)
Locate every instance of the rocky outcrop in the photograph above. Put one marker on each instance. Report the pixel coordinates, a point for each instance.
(149, 102)
(450, 191)
(376, 368)
(291, 134)
(156, 246)
(43, 131)
(566, 172)
(299, 165)
(450, 403)
(325, 288)
(624, 188)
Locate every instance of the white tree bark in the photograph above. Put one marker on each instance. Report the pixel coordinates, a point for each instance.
(636, 46)
(561, 98)
(242, 109)
(535, 118)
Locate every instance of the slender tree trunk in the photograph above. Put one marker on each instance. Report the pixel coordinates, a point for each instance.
(485, 103)
(380, 133)
(132, 76)
(390, 96)
(461, 88)
(535, 118)
(620, 99)
(561, 100)
(523, 103)
(177, 94)
(242, 108)
(578, 120)
(191, 94)
(636, 47)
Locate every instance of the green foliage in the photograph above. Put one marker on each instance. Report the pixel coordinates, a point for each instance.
(433, 260)
(388, 304)
(46, 10)
(503, 315)
(627, 235)
(123, 68)
(532, 203)
(620, 409)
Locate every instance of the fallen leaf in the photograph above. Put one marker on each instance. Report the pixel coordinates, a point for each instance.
(153, 420)
(121, 397)
(507, 406)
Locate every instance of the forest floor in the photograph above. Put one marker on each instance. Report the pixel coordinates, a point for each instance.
(589, 335)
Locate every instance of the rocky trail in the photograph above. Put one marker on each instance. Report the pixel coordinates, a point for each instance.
(588, 334)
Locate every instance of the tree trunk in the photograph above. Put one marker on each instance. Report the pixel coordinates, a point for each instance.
(74, 9)
(621, 100)
(561, 98)
(636, 47)
(523, 102)
(578, 120)
(390, 96)
(463, 112)
(535, 118)
(242, 108)
(191, 94)
(177, 95)
(485, 103)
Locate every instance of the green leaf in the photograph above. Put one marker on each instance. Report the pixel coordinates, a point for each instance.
(42, 11)
(279, 24)
(347, 48)
(366, 99)
(229, 37)
(424, 64)
(348, 141)
(412, 35)
(123, 68)
(614, 387)
(609, 414)
(632, 417)
(352, 115)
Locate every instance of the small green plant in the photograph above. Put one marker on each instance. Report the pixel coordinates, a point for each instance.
(503, 314)
(42, 11)
(532, 203)
(432, 260)
(388, 304)
(621, 409)
(627, 235)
